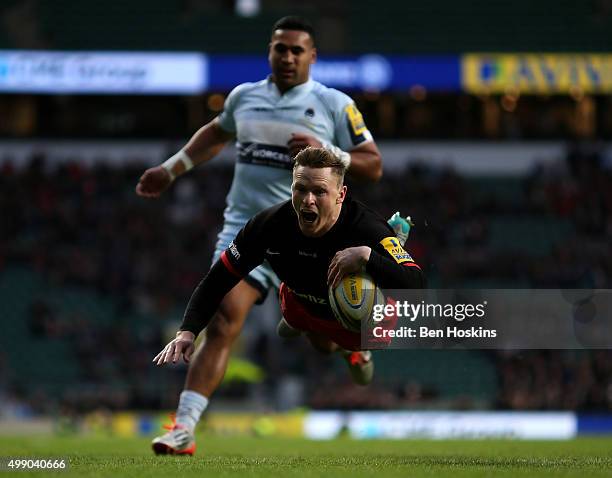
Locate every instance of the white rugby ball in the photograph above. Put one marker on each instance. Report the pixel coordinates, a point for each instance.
(353, 300)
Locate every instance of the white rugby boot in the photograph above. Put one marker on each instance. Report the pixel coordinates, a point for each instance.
(177, 441)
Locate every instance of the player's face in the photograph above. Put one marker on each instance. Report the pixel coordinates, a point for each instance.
(317, 199)
(290, 55)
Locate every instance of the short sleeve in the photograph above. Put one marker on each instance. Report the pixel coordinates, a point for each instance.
(226, 119)
(350, 129)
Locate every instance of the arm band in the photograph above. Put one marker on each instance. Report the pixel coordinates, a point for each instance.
(180, 157)
(342, 155)
(390, 275)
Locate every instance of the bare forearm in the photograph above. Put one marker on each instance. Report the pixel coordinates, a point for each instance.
(206, 143)
(203, 146)
(366, 165)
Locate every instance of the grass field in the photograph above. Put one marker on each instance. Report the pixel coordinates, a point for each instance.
(266, 457)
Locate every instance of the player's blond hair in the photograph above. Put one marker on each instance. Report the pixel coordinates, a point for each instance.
(321, 158)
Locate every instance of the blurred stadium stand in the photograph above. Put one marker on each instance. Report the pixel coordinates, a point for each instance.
(93, 279)
(438, 26)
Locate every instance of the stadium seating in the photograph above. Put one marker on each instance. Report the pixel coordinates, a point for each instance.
(439, 26)
(446, 374)
(87, 336)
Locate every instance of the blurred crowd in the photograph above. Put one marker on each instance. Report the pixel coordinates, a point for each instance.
(457, 236)
(83, 228)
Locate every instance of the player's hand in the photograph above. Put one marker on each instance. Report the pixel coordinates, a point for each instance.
(153, 182)
(181, 345)
(346, 261)
(298, 142)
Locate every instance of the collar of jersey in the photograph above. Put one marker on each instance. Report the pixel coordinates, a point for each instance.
(298, 90)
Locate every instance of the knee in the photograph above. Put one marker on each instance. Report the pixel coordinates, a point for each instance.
(225, 325)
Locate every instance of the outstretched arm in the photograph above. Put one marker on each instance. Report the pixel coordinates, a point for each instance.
(203, 303)
(243, 255)
(203, 146)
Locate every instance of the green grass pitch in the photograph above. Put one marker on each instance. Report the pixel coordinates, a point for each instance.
(267, 457)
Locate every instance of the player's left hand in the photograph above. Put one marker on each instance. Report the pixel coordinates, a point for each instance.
(346, 261)
(299, 141)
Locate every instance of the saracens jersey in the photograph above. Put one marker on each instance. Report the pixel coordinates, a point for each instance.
(302, 262)
(263, 121)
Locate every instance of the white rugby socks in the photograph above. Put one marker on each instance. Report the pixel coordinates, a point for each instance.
(190, 408)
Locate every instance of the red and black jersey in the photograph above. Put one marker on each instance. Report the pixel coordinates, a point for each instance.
(302, 262)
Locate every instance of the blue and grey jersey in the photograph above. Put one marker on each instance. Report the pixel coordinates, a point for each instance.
(263, 120)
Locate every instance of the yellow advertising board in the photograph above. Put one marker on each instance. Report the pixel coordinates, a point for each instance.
(273, 424)
(127, 424)
(536, 73)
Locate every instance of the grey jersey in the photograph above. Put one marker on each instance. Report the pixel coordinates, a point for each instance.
(263, 121)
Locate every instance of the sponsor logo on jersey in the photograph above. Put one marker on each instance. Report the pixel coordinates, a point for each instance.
(395, 249)
(355, 118)
(308, 254)
(311, 298)
(234, 250)
(265, 155)
(272, 253)
(272, 155)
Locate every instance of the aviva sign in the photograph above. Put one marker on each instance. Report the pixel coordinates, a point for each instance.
(536, 73)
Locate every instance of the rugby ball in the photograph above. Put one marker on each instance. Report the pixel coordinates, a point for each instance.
(353, 300)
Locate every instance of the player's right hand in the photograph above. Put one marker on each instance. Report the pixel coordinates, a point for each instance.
(181, 345)
(153, 182)
(299, 141)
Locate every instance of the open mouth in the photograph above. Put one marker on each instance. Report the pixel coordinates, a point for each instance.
(309, 217)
